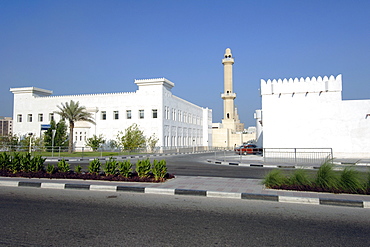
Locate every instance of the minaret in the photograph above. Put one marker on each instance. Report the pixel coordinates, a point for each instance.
(228, 96)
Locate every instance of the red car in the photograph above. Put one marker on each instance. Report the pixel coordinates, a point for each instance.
(248, 149)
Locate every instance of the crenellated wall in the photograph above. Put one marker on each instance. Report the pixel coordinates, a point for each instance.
(301, 85)
(310, 113)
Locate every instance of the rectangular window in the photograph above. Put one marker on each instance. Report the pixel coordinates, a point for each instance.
(128, 114)
(103, 115)
(41, 117)
(155, 113)
(19, 118)
(29, 117)
(51, 116)
(141, 114)
(115, 115)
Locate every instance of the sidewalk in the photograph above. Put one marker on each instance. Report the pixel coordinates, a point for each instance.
(228, 188)
(258, 161)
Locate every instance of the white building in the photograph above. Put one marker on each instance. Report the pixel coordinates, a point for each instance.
(174, 121)
(310, 113)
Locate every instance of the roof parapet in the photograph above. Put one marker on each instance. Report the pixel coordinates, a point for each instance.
(302, 85)
(155, 81)
(31, 90)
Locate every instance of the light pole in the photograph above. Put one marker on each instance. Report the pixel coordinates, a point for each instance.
(52, 142)
(30, 147)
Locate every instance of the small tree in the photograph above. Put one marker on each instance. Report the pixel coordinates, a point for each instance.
(152, 142)
(95, 142)
(26, 140)
(73, 112)
(132, 138)
(9, 140)
(61, 136)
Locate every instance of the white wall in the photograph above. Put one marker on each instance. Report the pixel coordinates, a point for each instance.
(151, 94)
(310, 113)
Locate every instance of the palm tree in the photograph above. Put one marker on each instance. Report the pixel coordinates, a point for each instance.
(73, 112)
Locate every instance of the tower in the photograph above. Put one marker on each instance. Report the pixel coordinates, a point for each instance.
(231, 119)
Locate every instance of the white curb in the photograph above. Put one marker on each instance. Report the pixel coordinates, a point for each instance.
(95, 187)
(244, 164)
(293, 199)
(160, 191)
(366, 204)
(224, 194)
(9, 183)
(52, 186)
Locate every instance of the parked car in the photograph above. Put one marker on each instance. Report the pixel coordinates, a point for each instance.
(248, 149)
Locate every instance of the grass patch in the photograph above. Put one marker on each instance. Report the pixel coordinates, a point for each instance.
(325, 180)
(275, 178)
(300, 178)
(326, 177)
(350, 181)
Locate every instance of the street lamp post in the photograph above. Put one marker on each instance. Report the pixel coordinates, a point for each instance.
(52, 142)
(30, 147)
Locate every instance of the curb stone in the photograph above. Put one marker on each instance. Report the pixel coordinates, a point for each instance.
(189, 192)
(261, 165)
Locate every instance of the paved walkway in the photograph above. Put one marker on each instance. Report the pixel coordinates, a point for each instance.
(235, 188)
(258, 161)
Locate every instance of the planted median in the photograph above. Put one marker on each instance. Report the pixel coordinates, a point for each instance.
(325, 180)
(25, 165)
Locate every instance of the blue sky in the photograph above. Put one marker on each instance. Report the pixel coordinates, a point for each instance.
(78, 47)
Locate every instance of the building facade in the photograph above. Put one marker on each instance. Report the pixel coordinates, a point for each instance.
(174, 121)
(6, 126)
(310, 113)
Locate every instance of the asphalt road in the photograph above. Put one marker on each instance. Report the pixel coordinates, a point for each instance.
(197, 165)
(45, 217)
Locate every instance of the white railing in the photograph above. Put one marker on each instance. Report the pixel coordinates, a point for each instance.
(297, 156)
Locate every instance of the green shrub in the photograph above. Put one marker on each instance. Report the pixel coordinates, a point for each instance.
(367, 183)
(63, 166)
(78, 169)
(37, 163)
(50, 169)
(300, 178)
(159, 169)
(326, 177)
(110, 167)
(125, 168)
(16, 163)
(94, 166)
(5, 161)
(350, 181)
(274, 178)
(25, 162)
(143, 168)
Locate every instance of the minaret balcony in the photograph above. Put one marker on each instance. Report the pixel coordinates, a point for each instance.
(228, 60)
(228, 95)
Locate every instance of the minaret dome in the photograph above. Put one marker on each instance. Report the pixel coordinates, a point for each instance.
(228, 53)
